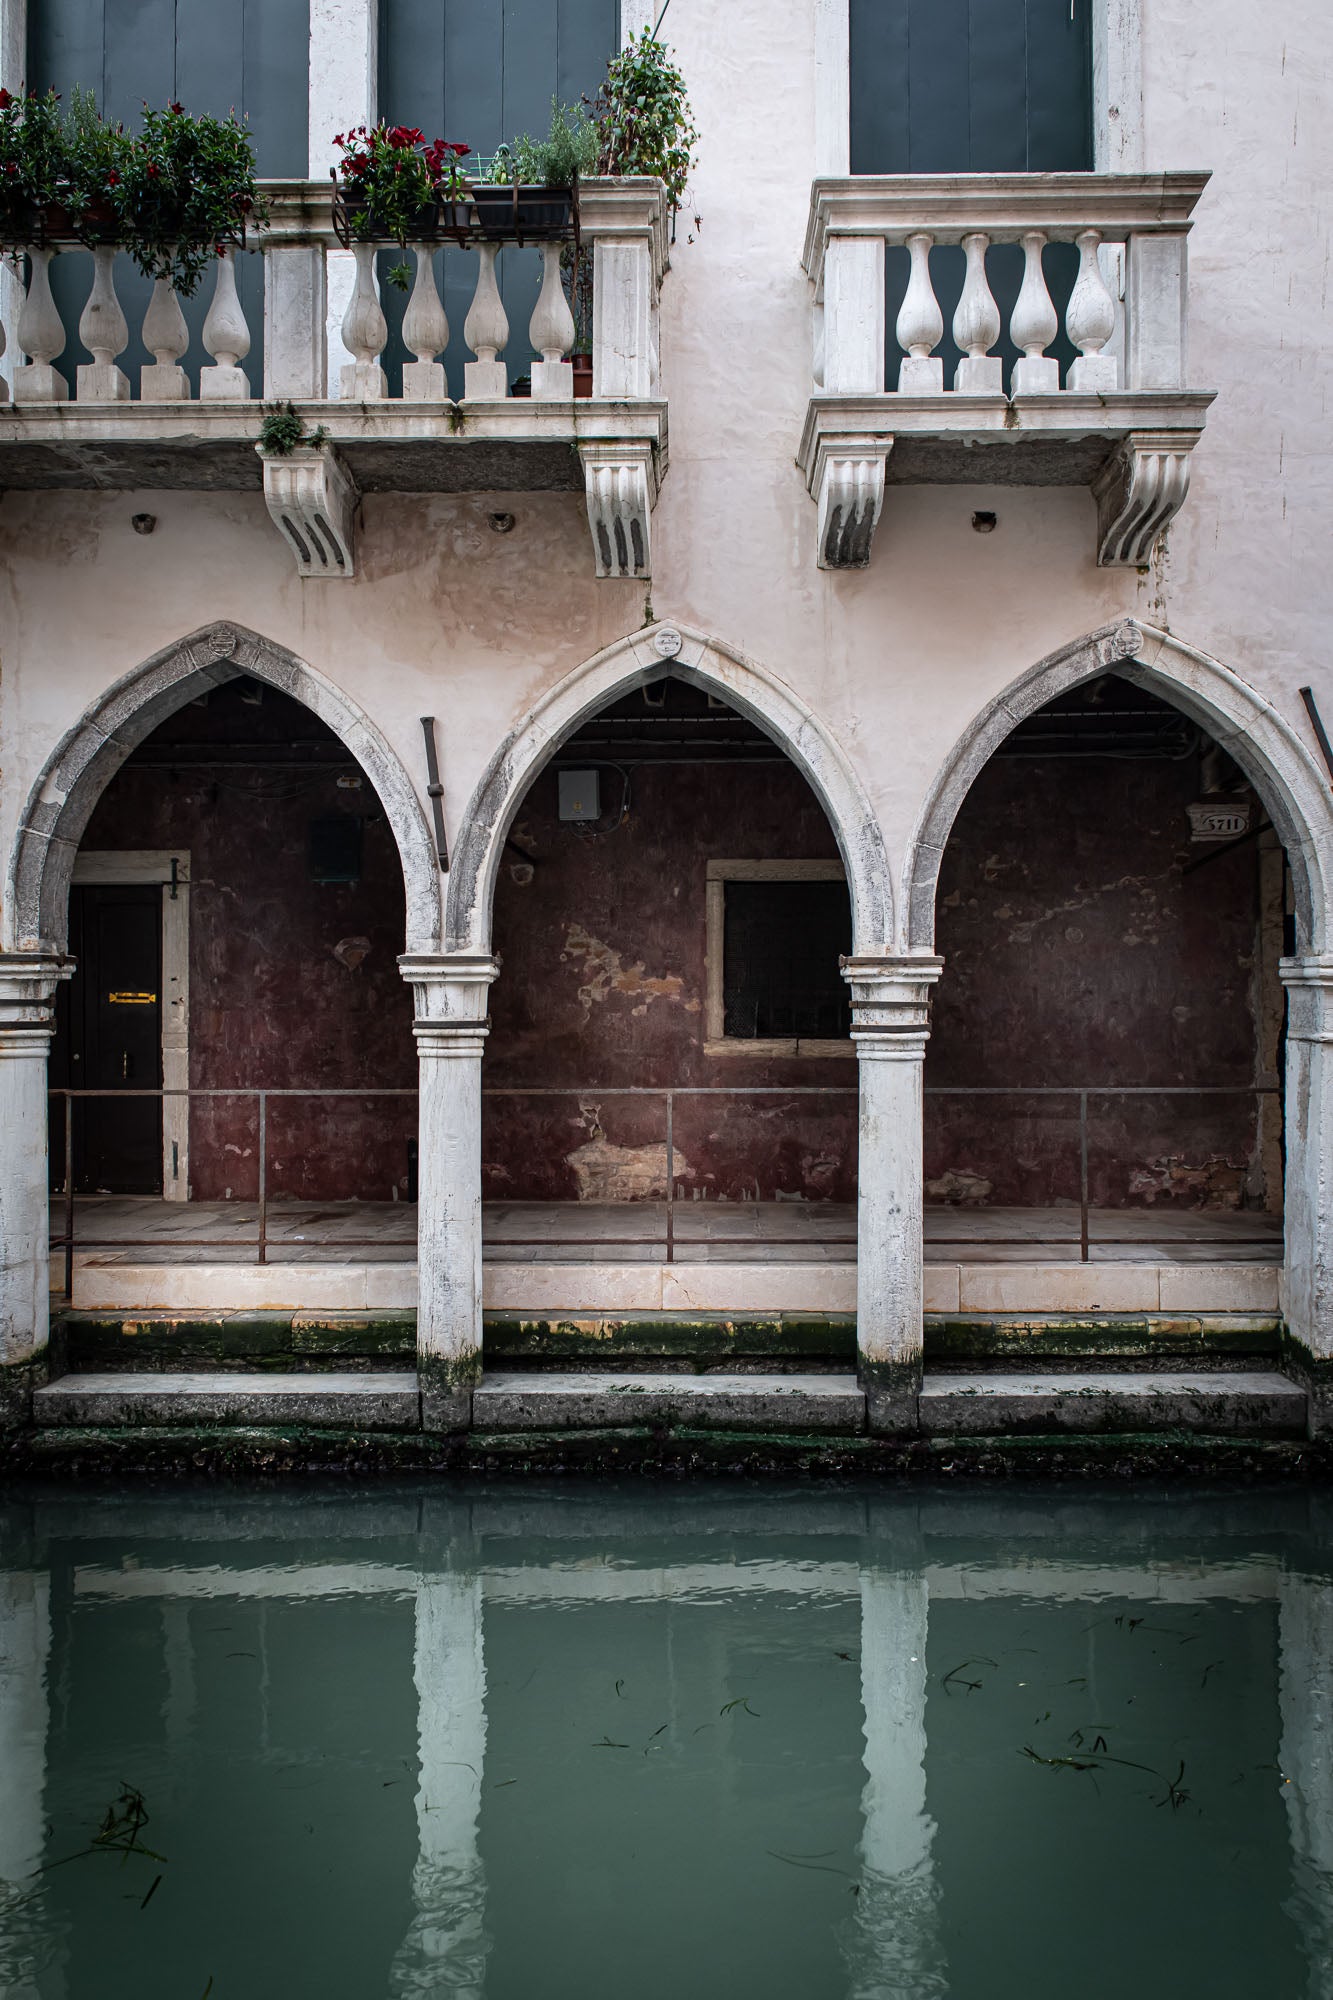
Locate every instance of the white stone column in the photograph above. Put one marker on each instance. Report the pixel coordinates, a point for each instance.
(833, 114)
(28, 982)
(854, 316)
(1308, 1192)
(897, 1946)
(1305, 1668)
(445, 1949)
(25, 1645)
(450, 995)
(344, 91)
(890, 1026)
(624, 301)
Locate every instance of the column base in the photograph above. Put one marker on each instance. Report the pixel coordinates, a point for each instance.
(446, 1411)
(1314, 1372)
(892, 1391)
(446, 1392)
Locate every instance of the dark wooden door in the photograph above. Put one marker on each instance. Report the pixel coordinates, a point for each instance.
(109, 1037)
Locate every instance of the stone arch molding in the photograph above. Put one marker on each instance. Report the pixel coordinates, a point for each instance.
(62, 801)
(633, 662)
(1249, 728)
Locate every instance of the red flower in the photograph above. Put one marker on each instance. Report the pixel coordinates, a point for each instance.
(178, 109)
(5, 100)
(452, 146)
(10, 169)
(112, 180)
(154, 172)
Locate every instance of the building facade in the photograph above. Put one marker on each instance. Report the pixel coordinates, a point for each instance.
(859, 886)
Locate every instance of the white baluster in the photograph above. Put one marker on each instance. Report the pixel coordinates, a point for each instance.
(1090, 322)
(486, 329)
(1034, 325)
(426, 332)
(226, 338)
(365, 334)
(976, 326)
(552, 333)
(4, 379)
(166, 336)
(41, 335)
(920, 326)
(105, 333)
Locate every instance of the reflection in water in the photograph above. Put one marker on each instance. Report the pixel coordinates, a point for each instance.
(962, 1746)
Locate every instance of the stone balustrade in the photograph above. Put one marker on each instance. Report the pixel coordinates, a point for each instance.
(329, 362)
(1116, 414)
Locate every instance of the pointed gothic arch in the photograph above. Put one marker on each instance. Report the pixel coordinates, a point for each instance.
(76, 774)
(1235, 715)
(633, 662)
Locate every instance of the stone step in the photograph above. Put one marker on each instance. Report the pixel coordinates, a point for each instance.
(549, 1402)
(1222, 1403)
(345, 1401)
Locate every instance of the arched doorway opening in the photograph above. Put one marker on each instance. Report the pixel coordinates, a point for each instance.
(1103, 1081)
(234, 858)
(670, 1086)
(1288, 795)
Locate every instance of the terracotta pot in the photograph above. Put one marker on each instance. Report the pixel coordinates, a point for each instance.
(582, 374)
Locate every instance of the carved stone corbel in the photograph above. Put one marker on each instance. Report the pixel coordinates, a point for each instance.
(847, 479)
(312, 499)
(1139, 491)
(621, 482)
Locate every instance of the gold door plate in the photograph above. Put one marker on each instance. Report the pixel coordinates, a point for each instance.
(132, 999)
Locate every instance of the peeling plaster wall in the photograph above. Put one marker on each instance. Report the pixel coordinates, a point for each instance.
(293, 983)
(1078, 952)
(601, 989)
(445, 617)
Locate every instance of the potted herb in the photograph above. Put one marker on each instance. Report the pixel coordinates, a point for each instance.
(530, 188)
(392, 186)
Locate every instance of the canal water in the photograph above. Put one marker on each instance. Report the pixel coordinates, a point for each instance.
(537, 1741)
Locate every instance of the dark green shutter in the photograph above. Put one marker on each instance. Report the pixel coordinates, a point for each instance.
(483, 72)
(972, 87)
(251, 56)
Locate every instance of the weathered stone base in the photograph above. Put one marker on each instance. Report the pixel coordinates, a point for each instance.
(892, 1391)
(1314, 1373)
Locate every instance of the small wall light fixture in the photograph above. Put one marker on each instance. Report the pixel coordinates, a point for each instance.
(502, 523)
(143, 524)
(984, 524)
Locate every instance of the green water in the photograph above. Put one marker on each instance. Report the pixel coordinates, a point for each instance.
(706, 1741)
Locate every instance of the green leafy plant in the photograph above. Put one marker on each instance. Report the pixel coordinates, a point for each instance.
(283, 431)
(186, 189)
(567, 153)
(34, 165)
(391, 180)
(643, 117)
(97, 159)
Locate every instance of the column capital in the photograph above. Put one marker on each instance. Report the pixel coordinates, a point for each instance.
(891, 1004)
(1309, 969)
(449, 987)
(28, 982)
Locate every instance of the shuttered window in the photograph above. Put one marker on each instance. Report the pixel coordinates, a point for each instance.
(971, 86)
(483, 72)
(213, 56)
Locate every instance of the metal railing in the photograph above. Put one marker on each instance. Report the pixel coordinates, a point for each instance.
(667, 1234)
(65, 1241)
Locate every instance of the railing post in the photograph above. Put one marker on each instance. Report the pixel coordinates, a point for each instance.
(450, 998)
(890, 1027)
(295, 323)
(624, 299)
(854, 316)
(1156, 311)
(28, 982)
(262, 1143)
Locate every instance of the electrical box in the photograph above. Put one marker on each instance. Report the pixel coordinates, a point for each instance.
(580, 795)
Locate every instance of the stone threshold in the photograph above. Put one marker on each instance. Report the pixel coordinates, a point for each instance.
(109, 1284)
(1226, 1403)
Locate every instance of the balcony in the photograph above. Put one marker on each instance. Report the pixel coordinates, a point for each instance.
(1091, 266)
(384, 430)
